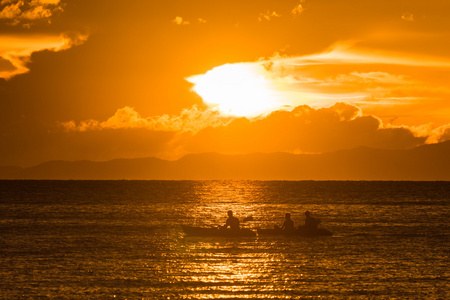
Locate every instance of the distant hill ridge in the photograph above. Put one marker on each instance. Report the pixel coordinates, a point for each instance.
(427, 162)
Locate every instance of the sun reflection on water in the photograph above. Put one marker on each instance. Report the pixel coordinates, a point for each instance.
(242, 268)
(220, 268)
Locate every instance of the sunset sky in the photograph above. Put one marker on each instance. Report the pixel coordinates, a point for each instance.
(100, 80)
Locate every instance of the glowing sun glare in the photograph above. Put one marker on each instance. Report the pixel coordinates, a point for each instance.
(237, 89)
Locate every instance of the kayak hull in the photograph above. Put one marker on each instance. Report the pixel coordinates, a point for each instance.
(222, 232)
(297, 232)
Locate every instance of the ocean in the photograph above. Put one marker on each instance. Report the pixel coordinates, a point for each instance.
(123, 240)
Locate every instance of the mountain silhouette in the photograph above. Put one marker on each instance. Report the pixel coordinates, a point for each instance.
(427, 162)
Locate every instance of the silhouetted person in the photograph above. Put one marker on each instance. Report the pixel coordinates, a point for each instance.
(288, 224)
(310, 222)
(232, 221)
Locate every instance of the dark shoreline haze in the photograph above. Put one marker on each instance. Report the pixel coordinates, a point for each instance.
(424, 163)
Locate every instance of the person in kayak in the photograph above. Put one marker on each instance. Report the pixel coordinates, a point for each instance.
(232, 222)
(311, 223)
(288, 224)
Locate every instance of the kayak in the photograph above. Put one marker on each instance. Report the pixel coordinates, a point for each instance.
(301, 231)
(205, 231)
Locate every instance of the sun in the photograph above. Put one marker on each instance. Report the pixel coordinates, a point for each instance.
(241, 90)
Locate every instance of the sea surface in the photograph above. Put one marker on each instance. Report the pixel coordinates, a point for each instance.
(123, 240)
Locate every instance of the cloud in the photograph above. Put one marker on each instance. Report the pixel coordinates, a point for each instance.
(16, 50)
(127, 134)
(298, 9)
(268, 15)
(408, 17)
(191, 120)
(153, 136)
(16, 12)
(301, 130)
(348, 52)
(180, 21)
(72, 38)
(440, 134)
(373, 77)
(361, 77)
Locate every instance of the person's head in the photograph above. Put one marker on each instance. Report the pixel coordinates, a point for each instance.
(307, 213)
(230, 213)
(287, 216)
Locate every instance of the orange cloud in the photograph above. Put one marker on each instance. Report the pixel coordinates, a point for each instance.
(191, 120)
(440, 134)
(268, 15)
(298, 9)
(301, 130)
(350, 53)
(408, 17)
(372, 77)
(16, 50)
(16, 12)
(180, 21)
